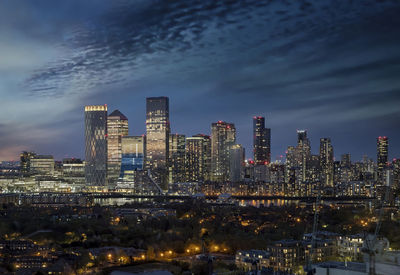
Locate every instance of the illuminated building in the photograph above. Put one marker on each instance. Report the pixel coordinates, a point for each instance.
(313, 169)
(198, 158)
(117, 127)
(261, 141)
(158, 130)
(42, 164)
(177, 158)
(96, 145)
(133, 150)
(303, 153)
(236, 163)
(73, 170)
(344, 169)
(382, 157)
(223, 136)
(298, 160)
(396, 174)
(326, 162)
(25, 161)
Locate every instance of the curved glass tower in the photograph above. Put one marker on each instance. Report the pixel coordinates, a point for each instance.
(96, 145)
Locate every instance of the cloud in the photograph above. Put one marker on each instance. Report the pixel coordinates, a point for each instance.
(337, 61)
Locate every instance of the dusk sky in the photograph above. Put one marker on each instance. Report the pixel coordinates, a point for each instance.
(331, 67)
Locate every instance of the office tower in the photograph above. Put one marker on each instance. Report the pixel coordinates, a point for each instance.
(133, 150)
(236, 163)
(117, 127)
(96, 145)
(223, 136)
(177, 158)
(345, 160)
(261, 141)
(73, 170)
(326, 162)
(382, 157)
(343, 172)
(396, 174)
(198, 158)
(303, 153)
(42, 164)
(25, 161)
(313, 169)
(157, 144)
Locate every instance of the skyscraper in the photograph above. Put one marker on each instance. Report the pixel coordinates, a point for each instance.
(157, 133)
(198, 158)
(223, 136)
(382, 157)
(236, 163)
(326, 162)
(133, 150)
(303, 152)
(96, 145)
(177, 158)
(261, 141)
(117, 127)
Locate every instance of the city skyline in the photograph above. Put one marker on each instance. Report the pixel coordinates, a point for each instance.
(321, 78)
(249, 154)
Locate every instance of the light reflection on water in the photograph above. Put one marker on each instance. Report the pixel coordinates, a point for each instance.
(267, 203)
(254, 203)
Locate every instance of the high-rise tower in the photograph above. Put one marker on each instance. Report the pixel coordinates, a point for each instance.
(326, 162)
(157, 134)
(261, 141)
(96, 145)
(223, 136)
(198, 158)
(382, 144)
(117, 127)
(176, 158)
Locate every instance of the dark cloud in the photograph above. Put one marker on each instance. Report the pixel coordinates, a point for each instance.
(330, 66)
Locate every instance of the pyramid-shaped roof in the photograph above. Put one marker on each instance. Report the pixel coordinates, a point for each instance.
(117, 113)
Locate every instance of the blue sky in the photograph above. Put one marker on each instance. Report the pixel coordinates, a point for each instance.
(331, 67)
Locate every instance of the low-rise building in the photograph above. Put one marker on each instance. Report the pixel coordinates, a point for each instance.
(252, 259)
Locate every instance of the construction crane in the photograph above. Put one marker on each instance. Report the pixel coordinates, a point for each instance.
(309, 268)
(371, 240)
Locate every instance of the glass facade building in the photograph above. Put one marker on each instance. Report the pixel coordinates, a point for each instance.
(237, 156)
(223, 136)
(382, 144)
(177, 158)
(117, 127)
(261, 141)
(96, 145)
(132, 157)
(198, 158)
(157, 135)
(326, 162)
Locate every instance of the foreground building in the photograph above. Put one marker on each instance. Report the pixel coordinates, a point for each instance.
(96, 145)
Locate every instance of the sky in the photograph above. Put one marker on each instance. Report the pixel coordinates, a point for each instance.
(331, 67)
